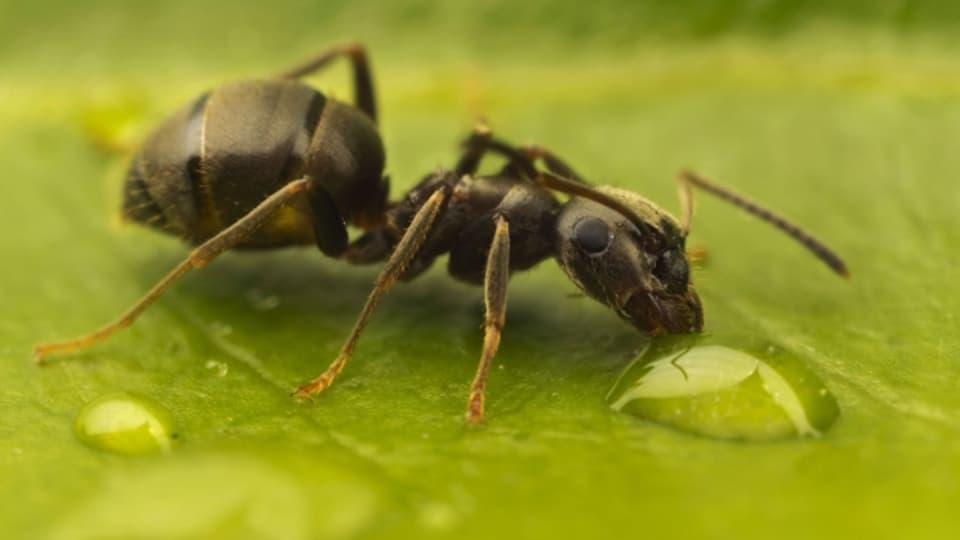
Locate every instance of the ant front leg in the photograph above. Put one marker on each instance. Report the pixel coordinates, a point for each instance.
(504, 240)
(364, 96)
(558, 177)
(520, 158)
(553, 163)
(495, 281)
(474, 148)
(480, 142)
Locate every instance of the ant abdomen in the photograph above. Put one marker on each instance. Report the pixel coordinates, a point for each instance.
(213, 161)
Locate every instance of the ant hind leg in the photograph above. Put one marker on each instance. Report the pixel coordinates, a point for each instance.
(199, 257)
(364, 95)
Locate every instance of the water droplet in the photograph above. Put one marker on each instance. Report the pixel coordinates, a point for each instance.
(125, 424)
(436, 515)
(262, 301)
(220, 369)
(756, 391)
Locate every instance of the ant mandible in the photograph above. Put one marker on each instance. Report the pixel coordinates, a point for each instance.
(272, 163)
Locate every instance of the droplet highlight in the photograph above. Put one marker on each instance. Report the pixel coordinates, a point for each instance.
(124, 423)
(220, 369)
(727, 388)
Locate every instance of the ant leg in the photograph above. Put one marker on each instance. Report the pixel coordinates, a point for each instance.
(495, 299)
(522, 158)
(553, 163)
(559, 176)
(364, 95)
(199, 257)
(405, 251)
(474, 148)
(687, 180)
(480, 142)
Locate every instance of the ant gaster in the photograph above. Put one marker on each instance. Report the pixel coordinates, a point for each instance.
(273, 163)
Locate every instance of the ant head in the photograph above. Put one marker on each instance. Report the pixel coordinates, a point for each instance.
(640, 269)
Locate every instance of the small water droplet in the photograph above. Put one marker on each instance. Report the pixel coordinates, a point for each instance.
(756, 391)
(125, 424)
(438, 516)
(262, 301)
(220, 369)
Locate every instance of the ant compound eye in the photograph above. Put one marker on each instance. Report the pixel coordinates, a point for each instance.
(592, 235)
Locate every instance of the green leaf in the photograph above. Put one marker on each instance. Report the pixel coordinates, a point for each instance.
(844, 118)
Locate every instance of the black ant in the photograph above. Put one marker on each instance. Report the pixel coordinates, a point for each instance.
(273, 163)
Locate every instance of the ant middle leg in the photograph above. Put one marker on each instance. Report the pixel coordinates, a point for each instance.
(364, 95)
(408, 247)
(198, 258)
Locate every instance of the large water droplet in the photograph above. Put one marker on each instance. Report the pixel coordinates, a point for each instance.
(125, 424)
(728, 388)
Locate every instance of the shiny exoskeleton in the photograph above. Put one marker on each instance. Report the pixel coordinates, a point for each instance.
(272, 163)
(211, 162)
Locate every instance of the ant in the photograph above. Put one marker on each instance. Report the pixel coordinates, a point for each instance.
(272, 163)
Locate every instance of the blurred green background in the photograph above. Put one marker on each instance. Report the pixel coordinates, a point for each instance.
(843, 115)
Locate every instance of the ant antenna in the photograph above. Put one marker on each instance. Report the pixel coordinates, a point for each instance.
(568, 182)
(686, 179)
(570, 187)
